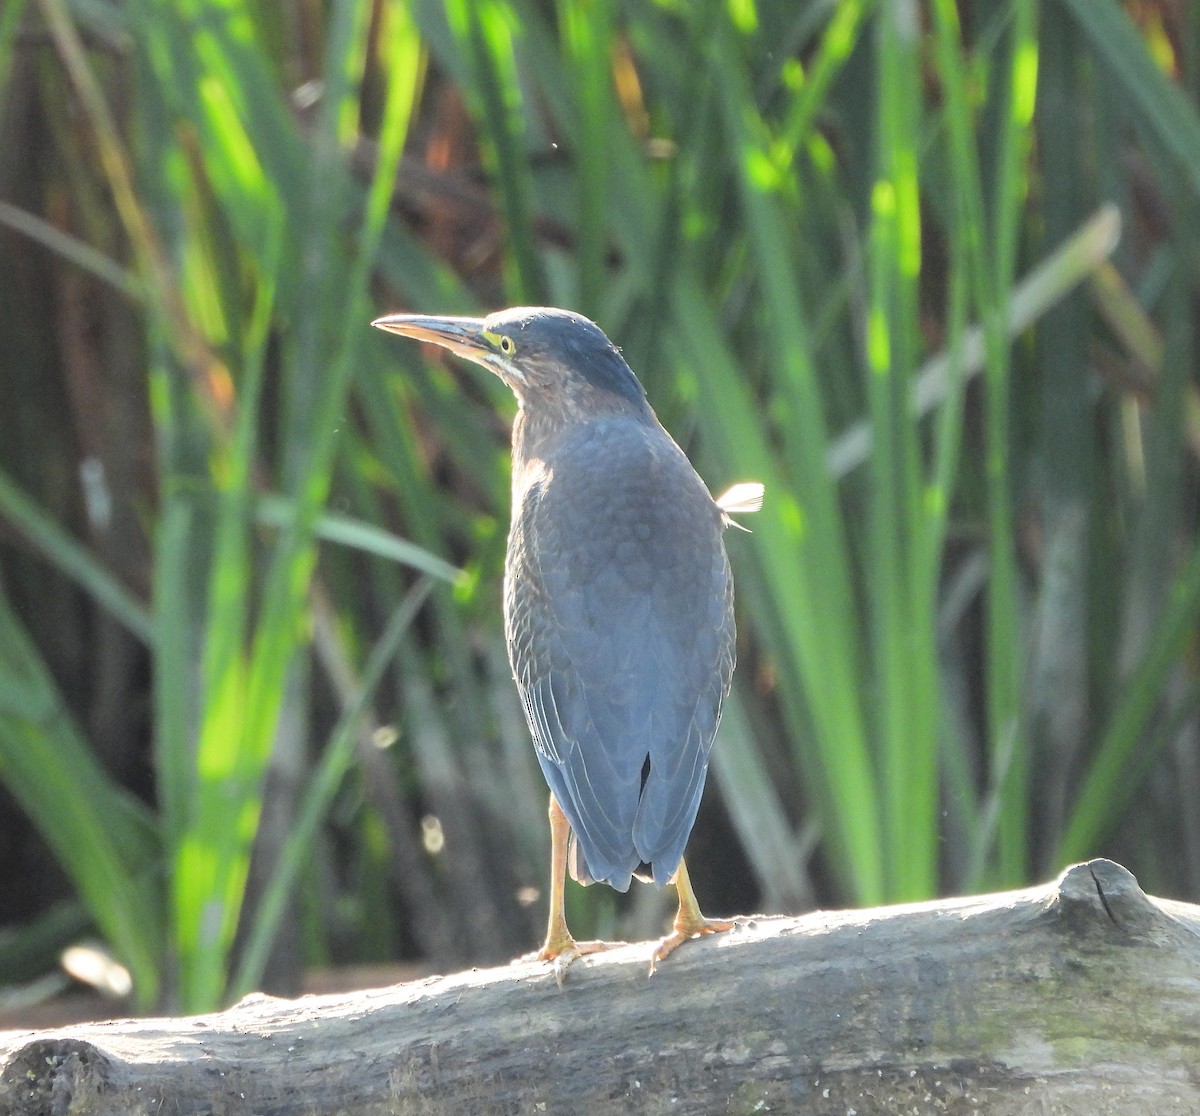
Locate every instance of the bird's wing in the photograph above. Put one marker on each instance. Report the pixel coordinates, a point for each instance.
(620, 626)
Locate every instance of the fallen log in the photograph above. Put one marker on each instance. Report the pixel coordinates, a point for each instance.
(1082, 995)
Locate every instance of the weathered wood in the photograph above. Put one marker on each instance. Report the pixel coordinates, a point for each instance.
(1079, 996)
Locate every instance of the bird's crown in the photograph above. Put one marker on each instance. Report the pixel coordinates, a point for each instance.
(540, 337)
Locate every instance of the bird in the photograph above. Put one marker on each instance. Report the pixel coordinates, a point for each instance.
(618, 606)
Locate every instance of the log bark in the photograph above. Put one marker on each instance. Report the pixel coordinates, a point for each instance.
(1082, 995)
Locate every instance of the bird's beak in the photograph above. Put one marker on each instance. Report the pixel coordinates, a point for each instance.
(460, 335)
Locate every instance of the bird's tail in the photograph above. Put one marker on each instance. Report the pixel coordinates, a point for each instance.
(618, 878)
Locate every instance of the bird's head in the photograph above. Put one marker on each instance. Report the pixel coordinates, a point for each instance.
(549, 358)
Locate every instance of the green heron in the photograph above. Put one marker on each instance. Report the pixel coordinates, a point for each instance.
(618, 605)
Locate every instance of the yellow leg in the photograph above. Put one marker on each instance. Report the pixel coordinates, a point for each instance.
(559, 947)
(689, 921)
(558, 937)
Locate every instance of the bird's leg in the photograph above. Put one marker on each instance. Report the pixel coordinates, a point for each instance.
(559, 947)
(558, 937)
(689, 921)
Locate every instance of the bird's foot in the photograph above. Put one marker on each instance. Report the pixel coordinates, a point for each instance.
(562, 952)
(687, 929)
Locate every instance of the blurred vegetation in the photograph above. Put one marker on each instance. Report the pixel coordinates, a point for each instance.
(927, 270)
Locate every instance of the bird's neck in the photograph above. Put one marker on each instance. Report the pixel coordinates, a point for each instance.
(534, 435)
(538, 430)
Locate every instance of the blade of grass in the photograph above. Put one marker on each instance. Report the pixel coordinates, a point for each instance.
(991, 274)
(1112, 781)
(212, 858)
(70, 248)
(336, 759)
(277, 511)
(1157, 101)
(1052, 279)
(758, 815)
(586, 29)
(487, 29)
(809, 562)
(245, 667)
(101, 835)
(10, 25)
(1160, 606)
(30, 949)
(1058, 683)
(1004, 635)
(58, 547)
(902, 575)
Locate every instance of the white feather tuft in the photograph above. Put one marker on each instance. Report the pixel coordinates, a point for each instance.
(740, 499)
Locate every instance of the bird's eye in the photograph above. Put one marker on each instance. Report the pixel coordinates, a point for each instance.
(506, 345)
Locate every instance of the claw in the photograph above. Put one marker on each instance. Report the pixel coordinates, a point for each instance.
(561, 964)
(685, 932)
(562, 953)
(689, 921)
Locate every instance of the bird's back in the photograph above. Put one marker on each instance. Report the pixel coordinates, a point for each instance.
(619, 616)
